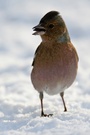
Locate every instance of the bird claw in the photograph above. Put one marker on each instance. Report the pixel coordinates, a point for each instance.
(65, 110)
(46, 115)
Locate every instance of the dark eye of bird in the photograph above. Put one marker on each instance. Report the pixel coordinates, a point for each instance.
(51, 26)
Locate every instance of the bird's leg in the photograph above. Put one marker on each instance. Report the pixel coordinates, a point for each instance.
(41, 99)
(62, 96)
(42, 112)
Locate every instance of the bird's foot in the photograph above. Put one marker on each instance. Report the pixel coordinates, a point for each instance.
(65, 110)
(46, 115)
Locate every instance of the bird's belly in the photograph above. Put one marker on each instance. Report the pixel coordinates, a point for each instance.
(53, 79)
(54, 90)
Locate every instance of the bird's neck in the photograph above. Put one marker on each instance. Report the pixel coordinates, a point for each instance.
(59, 39)
(64, 38)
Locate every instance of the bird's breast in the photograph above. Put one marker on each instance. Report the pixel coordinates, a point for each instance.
(55, 68)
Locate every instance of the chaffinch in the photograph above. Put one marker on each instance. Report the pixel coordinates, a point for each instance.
(56, 61)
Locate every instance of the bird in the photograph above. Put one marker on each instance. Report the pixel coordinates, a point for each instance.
(55, 62)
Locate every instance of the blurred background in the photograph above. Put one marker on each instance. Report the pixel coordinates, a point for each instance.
(17, 47)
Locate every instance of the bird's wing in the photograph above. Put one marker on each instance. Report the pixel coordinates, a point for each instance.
(35, 55)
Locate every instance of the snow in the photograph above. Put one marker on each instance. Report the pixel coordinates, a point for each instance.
(19, 102)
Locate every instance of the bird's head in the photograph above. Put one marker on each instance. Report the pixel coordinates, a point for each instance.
(52, 27)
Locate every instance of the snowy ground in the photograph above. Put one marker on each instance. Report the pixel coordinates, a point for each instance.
(19, 102)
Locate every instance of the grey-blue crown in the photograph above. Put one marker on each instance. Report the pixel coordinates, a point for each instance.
(50, 15)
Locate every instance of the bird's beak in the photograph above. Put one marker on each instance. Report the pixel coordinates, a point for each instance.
(39, 30)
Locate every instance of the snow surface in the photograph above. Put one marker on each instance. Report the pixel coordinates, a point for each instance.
(19, 102)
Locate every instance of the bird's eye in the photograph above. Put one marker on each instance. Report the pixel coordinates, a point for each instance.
(51, 26)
